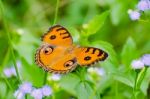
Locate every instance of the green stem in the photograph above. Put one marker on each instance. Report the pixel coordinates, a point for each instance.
(140, 77)
(134, 89)
(45, 78)
(56, 12)
(9, 39)
(138, 80)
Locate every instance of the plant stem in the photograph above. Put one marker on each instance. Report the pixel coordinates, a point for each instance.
(9, 39)
(134, 89)
(45, 78)
(138, 80)
(56, 12)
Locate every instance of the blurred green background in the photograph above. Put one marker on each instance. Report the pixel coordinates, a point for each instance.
(100, 23)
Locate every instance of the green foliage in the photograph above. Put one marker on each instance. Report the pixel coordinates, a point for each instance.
(127, 53)
(96, 23)
(103, 24)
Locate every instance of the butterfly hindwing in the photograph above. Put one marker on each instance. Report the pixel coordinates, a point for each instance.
(55, 59)
(89, 55)
(57, 35)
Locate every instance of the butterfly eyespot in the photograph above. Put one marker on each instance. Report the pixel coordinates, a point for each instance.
(87, 58)
(69, 63)
(52, 37)
(48, 50)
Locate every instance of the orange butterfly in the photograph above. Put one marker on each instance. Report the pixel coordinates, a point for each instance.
(58, 54)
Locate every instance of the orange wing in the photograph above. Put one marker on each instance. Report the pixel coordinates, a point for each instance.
(55, 59)
(89, 55)
(57, 35)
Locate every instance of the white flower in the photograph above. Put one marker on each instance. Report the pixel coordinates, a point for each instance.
(98, 71)
(134, 15)
(146, 59)
(143, 5)
(37, 94)
(19, 95)
(55, 77)
(137, 64)
(26, 87)
(46, 90)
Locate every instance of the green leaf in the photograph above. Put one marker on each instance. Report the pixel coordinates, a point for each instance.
(96, 23)
(31, 73)
(85, 91)
(128, 52)
(3, 89)
(25, 47)
(125, 79)
(69, 83)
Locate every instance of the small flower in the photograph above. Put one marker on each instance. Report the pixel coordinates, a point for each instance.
(19, 64)
(98, 71)
(19, 95)
(26, 87)
(37, 93)
(146, 59)
(46, 90)
(134, 15)
(55, 77)
(137, 64)
(143, 5)
(9, 72)
(13, 71)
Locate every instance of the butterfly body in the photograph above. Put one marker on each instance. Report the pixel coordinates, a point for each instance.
(58, 54)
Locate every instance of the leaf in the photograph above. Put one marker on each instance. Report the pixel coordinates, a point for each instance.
(124, 79)
(128, 52)
(69, 83)
(85, 91)
(96, 23)
(3, 89)
(31, 73)
(25, 47)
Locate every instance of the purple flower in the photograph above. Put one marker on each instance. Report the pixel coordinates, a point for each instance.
(146, 59)
(37, 93)
(143, 5)
(9, 72)
(19, 95)
(137, 64)
(26, 87)
(46, 90)
(134, 15)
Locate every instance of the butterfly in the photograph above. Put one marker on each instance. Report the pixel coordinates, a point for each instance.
(58, 54)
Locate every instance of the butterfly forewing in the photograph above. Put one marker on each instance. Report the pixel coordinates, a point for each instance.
(57, 35)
